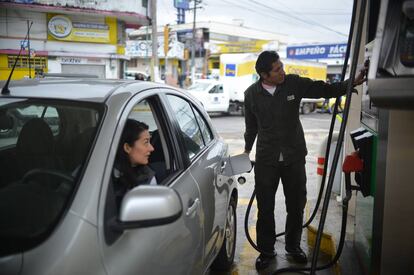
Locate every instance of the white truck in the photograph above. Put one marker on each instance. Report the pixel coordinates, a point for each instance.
(211, 94)
(237, 72)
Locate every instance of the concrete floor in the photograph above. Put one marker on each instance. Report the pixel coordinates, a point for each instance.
(316, 126)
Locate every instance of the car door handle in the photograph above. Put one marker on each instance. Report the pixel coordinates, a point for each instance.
(193, 207)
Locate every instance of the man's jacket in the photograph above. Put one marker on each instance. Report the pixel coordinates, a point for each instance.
(275, 119)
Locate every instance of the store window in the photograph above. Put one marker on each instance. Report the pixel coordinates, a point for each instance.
(36, 62)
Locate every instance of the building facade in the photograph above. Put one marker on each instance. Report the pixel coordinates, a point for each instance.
(210, 40)
(67, 36)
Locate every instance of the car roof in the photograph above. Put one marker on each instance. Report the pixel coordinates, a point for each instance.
(93, 90)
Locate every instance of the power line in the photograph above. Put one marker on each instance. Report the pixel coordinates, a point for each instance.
(255, 11)
(298, 18)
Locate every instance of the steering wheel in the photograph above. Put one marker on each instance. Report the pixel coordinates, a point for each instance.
(49, 172)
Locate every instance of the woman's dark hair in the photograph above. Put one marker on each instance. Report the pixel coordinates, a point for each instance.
(264, 62)
(132, 132)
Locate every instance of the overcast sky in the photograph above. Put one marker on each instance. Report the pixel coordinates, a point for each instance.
(305, 21)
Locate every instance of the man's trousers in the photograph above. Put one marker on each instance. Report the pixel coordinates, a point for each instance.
(267, 177)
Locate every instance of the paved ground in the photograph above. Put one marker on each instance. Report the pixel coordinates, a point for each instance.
(316, 127)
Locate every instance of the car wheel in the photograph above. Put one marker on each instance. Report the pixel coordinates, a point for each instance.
(306, 108)
(242, 110)
(225, 258)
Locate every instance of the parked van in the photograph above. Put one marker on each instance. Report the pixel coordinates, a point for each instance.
(212, 94)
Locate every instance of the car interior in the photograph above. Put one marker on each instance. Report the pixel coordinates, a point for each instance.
(43, 146)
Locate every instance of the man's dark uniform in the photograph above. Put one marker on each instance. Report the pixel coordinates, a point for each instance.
(275, 121)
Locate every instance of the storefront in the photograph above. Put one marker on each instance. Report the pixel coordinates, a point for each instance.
(72, 40)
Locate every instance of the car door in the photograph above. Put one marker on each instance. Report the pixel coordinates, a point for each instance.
(172, 248)
(219, 100)
(206, 155)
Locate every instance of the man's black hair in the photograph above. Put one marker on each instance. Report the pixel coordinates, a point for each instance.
(264, 62)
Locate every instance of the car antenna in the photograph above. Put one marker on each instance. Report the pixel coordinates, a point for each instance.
(5, 90)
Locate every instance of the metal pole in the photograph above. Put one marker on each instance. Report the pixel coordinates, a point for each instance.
(28, 48)
(154, 61)
(193, 45)
(147, 59)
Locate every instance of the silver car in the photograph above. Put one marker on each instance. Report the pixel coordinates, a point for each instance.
(58, 142)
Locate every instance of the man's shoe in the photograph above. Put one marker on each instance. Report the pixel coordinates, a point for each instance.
(297, 255)
(263, 261)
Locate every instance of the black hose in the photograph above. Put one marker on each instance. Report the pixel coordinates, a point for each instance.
(340, 137)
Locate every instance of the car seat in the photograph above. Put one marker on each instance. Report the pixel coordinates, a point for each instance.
(34, 147)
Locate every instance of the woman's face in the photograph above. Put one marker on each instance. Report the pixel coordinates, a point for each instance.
(141, 150)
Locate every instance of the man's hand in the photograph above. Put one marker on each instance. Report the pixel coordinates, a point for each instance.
(362, 76)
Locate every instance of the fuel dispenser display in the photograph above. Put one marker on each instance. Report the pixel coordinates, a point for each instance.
(391, 78)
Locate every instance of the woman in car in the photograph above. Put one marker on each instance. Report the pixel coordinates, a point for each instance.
(131, 168)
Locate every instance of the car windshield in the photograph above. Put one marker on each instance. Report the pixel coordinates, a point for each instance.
(198, 87)
(43, 148)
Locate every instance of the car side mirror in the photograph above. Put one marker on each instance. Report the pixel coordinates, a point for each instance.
(148, 205)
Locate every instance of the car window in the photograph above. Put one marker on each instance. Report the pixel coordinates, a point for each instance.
(43, 148)
(190, 131)
(213, 90)
(133, 151)
(145, 112)
(205, 128)
(25, 113)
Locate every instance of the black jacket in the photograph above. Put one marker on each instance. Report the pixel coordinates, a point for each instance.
(126, 179)
(275, 119)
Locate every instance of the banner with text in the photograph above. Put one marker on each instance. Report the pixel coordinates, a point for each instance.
(317, 51)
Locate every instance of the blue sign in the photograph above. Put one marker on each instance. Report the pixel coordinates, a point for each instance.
(182, 4)
(230, 70)
(317, 51)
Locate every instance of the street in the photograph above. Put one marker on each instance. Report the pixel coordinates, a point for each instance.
(231, 129)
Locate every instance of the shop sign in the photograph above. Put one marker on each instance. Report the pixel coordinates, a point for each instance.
(71, 60)
(63, 28)
(79, 60)
(59, 26)
(239, 47)
(143, 48)
(181, 4)
(317, 51)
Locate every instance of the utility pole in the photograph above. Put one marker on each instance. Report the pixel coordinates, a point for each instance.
(166, 47)
(28, 48)
(154, 61)
(194, 41)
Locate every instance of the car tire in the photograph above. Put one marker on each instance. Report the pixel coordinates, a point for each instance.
(307, 108)
(225, 258)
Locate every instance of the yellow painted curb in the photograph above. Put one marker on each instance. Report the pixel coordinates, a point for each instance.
(327, 242)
